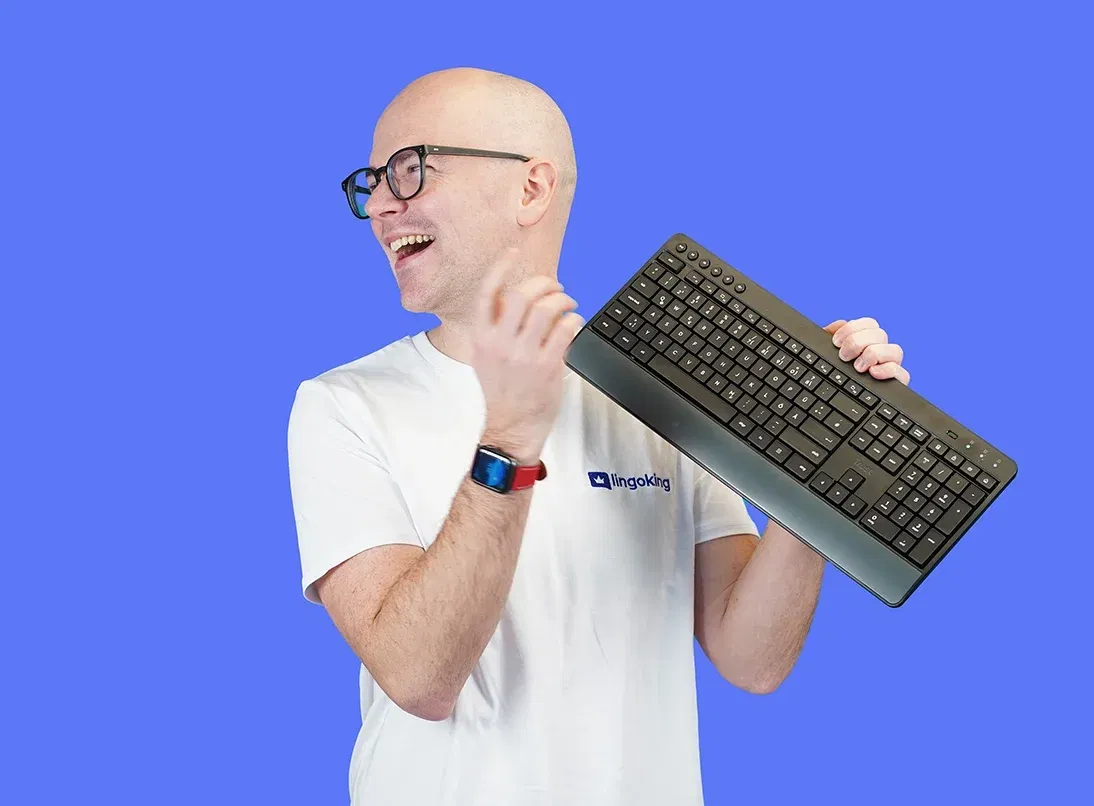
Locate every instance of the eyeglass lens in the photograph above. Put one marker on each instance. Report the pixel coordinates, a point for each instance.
(404, 176)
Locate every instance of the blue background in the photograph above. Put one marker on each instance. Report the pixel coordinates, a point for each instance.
(177, 257)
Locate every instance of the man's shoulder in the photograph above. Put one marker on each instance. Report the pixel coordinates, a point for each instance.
(352, 389)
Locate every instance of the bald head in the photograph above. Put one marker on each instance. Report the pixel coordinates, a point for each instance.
(476, 108)
(470, 208)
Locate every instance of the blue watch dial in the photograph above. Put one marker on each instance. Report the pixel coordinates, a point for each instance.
(492, 469)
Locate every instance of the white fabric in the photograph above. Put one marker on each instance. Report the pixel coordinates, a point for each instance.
(586, 692)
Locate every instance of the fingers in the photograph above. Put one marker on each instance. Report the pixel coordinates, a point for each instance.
(853, 326)
(853, 345)
(492, 283)
(517, 303)
(832, 328)
(561, 335)
(891, 369)
(877, 354)
(544, 315)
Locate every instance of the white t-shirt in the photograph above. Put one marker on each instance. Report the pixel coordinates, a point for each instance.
(585, 694)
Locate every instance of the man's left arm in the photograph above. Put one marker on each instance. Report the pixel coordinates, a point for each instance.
(755, 599)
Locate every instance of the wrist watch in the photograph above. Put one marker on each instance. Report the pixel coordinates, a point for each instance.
(496, 470)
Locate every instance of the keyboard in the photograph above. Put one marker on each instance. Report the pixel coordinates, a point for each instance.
(871, 475)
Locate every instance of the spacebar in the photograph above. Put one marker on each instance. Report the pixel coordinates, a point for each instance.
(692, 388)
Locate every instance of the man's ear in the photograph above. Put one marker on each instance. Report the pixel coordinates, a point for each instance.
(539, 188)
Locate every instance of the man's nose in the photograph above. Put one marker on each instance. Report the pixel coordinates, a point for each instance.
(382, 200)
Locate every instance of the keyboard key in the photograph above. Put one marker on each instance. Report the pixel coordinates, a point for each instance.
(799, 466)
(880, 526)
(902, 422)
(821, 435)
(890, 436)
(853, 505)
(804, 446)
(688, 363)
(671, 261)
(822, 482)
(643, 352)
(775, 425)
(823, 367)
(893, 462)
(626, 339)
(912, 475)
(985, 481)
(957, 483)
(899, 489)
(604, 324)
(741, 424)
(903, 542)
(868, 398)
(692, 388)
(886, 411)
(849, 406)
(837, 492)
(851, 480)
(654, 270)
(902, 515)
(853, 388)
(876, 451)
(938, 446)
(917, 528)
(838, 423)
(778, 451)
(760, 438)
(926, 547)
(644, 286)
(973, 495)
(886, 504)
(861, 440)
(918, 433)
(949, 522)
(905, 447)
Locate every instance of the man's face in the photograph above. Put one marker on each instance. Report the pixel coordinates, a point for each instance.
(460, 212)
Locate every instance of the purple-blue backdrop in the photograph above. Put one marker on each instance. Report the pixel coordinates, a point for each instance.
(177, 257)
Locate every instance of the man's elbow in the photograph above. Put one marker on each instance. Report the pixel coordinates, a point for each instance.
(754, 681)
(432, 703)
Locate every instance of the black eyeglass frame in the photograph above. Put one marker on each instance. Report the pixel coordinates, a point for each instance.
(350, 186)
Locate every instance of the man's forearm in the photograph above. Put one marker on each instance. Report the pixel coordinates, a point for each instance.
(770, 609)
(439, 616)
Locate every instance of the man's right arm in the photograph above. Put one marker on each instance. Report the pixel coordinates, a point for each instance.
(419, 621)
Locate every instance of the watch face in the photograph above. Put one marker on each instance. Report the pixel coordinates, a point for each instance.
(492, 470)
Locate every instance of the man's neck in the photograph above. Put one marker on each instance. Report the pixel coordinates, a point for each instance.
(453, 340)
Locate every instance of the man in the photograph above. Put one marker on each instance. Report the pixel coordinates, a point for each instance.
(535, 646)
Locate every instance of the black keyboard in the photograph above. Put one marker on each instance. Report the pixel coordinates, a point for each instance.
(870, 474)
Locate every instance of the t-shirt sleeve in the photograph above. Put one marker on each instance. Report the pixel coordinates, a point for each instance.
(718, 510)
(344, 499)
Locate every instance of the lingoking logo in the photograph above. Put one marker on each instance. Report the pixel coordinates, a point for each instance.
(608, 481)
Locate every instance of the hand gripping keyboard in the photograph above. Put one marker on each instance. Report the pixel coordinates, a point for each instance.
(868, 473)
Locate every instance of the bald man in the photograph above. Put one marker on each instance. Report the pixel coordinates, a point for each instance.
(531, 645)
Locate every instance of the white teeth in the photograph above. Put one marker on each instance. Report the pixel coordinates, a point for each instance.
(399, 243)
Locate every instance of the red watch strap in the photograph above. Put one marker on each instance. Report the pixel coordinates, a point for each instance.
(525, 476)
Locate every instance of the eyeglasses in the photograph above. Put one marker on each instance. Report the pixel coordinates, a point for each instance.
(405, 171)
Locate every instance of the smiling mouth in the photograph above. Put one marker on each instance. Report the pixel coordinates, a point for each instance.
(410, 245)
